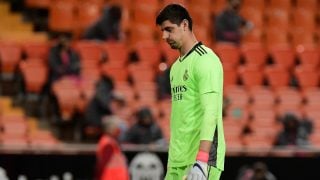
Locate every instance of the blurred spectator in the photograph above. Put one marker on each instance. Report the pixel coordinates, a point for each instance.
(63, 60)
(295, 132)
(229, 25)
(145, 130)
(163, 82)
(259, 171)
(108, 27)
(97, 108)
(110, 161)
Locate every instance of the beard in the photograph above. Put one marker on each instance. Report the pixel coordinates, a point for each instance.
(173, 44)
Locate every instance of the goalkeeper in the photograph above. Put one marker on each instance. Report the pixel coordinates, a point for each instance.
(197, 146)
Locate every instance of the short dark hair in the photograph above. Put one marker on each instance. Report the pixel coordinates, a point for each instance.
(175, 13)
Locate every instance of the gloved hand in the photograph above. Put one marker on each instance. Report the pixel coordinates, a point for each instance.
(199, 171)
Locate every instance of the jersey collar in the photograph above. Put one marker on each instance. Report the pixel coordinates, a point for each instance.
(192, 49)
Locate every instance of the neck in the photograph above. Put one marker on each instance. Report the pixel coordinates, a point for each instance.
(188, 44)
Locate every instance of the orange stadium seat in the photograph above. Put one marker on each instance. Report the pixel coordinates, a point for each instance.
(200, 14)
(263, 117)
(258, 4)
(236, 95)
(253, 14)
(148, 53)
(283, 4)
(311, 97)
(230, 75)
(254, 54)
(141, 73)
(229, 53)
(117, 53)
(218, 6)
(283, 55)
(259, 140)
(250, 76)
(262, 96)
(253, 36)
(304, 18)
(61, 16)
(307, 76)
(67, 93)
(117, 73)
(310, 5)
(276, 17)
(10, 55)
(35, 75)
(300, 36)
(275, 36)
(36, 50)
(277, 76)
(289, 97)
(144, 11)
(308, 56)
(90, 52)
(141, 32)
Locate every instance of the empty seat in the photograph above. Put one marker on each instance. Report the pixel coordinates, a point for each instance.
(228, 53)
(254, 54)
(304, 18)
(307, 76)
(36, 50)
(277, 17)
(289, 96)
(311, 97)
(262, 96)
(236, 95)
(67, 93)
(10, 55)
(283, 55)
(61, 16)
(308, 56)
(117, 53)
(148, 53)
(285, 5)
(35, 75)
(277, 76)
(230, 75)
(116, 73)
(251, 76)
(275, 36)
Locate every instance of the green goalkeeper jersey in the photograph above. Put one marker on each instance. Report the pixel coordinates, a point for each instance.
(197, 91)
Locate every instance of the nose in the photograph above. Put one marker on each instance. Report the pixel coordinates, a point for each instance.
(165, 35)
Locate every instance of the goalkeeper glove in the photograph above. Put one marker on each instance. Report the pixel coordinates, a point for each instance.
(199, 171)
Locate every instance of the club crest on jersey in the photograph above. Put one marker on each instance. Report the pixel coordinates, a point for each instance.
(185, 75)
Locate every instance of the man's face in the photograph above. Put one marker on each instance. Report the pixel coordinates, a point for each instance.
(172, 33)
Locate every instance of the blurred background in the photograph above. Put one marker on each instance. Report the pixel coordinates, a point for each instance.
(68, 65)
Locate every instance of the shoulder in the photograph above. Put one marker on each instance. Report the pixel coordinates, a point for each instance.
(206, 55)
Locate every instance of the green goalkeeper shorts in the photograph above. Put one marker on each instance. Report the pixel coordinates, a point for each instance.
(180, 173)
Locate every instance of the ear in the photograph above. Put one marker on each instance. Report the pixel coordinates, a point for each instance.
(185, 24)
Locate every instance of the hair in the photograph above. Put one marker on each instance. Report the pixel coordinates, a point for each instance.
(175, 13)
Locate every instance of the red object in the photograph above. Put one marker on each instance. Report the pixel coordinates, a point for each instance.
(111, 163)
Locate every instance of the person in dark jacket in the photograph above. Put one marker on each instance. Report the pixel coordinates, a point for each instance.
(229, 25)
(107, 27)
(63, 60)
(145, 130)
(98, 107)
